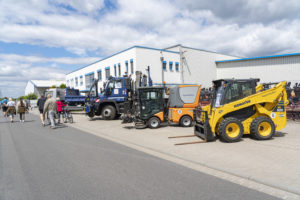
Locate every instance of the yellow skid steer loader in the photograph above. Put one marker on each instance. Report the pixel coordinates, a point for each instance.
(239, 107)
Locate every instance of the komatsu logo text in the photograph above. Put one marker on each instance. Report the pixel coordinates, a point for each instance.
(243, 103)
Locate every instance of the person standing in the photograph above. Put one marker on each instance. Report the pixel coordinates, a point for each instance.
(59, 105)
(40, 104)
(50, 107)
(11, 109)
(21, 110)
(4, 105)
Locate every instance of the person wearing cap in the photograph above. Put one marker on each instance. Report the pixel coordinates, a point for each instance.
(50, 107)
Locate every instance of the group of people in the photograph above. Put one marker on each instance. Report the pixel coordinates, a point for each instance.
(9, 109)
(47, 107)
(50, 107)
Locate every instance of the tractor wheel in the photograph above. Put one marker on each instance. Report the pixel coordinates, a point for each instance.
(186, 121)
(262, 128)
(231, 130)
(153, 122)
(108, 112)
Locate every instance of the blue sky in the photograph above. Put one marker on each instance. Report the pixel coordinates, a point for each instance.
(47, 39)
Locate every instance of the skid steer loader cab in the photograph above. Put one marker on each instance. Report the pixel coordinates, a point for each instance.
(232, 90)
(241, 107)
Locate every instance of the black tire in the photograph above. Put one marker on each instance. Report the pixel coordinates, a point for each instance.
(186, 121)
(262, 128)
(91, 114)
(153, 123)
(231, 130)
(108, 112)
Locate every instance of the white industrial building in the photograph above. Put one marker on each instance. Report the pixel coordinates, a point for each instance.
(38, 87)
(268, 68)
(185, 65)
(173, 65)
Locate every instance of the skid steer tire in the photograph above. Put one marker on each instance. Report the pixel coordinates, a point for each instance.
(262, 128)
(186, 121)
(231, 130)
(153, 123)
(108, 112)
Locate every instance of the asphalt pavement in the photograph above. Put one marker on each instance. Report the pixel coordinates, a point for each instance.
(39, 163)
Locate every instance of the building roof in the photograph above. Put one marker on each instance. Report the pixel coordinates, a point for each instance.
(179, 45)
(46, 83)
(256, 58)
(141, 47)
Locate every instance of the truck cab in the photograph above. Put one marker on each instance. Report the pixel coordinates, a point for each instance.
(110, 103)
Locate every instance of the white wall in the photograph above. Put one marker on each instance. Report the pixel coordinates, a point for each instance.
(268, 69)
(121, 58)
(29, 88)
(201, 66)
(152, 58)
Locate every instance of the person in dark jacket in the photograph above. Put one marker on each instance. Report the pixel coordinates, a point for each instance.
(21, 110)
(40, 103)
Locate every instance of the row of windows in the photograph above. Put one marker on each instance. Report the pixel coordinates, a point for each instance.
(90, 77)
(170, 66)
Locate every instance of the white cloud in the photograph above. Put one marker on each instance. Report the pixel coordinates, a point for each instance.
(239, 27)
(212, 25)
(37, 59)
(17, 70)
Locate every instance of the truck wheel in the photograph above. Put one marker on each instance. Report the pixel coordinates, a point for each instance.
(186, 121)
(91, 114)
(108, 112)
(153, 122)
(231, 130)
(262, 128)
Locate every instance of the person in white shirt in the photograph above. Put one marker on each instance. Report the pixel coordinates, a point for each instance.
(11, 109)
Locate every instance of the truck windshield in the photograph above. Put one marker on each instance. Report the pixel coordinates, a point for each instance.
(115, 84)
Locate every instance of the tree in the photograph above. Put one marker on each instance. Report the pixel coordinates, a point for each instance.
(62, 86)
(53, 86)
(31, 96)
(23, 97)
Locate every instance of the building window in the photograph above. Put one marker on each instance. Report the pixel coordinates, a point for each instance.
(131, 66)
(177, 66)
(164, 66)
(100, 75)
(107, 72)
(126, 64)
(68, 83)
(171, 66)
(81, 80)
(76, 81)
(72, 83)
(119, 69)
(115, 70)
(89, 78)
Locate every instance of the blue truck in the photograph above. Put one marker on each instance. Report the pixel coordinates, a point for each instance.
(68, 95)
(110, 103)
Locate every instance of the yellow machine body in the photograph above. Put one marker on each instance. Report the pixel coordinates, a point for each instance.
(268, 103)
